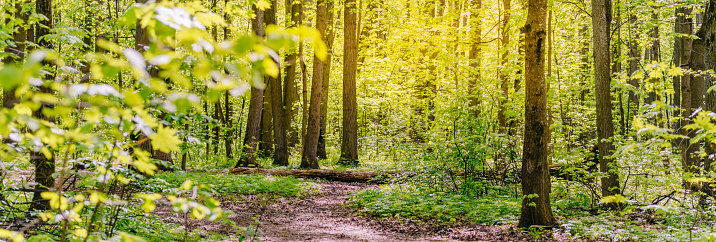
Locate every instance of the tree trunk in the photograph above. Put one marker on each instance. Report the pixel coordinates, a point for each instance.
(44, 166)
(326, 80)
(536, 208)
(505, 49)
(266, 145)
(349, 141)
(313, 128)
(280, 155)
(475, 63)
(633, 60)
(601, 20)
(290, 90)
(256, 103)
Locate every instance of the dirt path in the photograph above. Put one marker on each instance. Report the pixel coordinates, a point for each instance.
(325, 217)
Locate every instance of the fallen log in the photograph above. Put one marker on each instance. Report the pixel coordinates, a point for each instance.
(331, 175)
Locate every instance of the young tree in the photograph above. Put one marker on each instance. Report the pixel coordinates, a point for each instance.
(536, 186)
(310, 145)
(251, 138)
(601, 22)
(349, 144)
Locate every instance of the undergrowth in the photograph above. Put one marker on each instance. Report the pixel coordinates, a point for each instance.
(239, 184)
(406, 201)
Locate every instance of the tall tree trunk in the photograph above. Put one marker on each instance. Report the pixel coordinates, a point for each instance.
(330, 36)
(256, 103)
(601, 20)
(476, 61)
(290, 90)
(229, 136)
(505, 49)
(313, 128)
(349, 141)
(633, 59)
(280, 155)
(44, 166)
(536, 186)
(266, 145)
(681, 26)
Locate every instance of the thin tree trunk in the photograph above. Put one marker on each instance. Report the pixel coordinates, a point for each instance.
(310, 158)
(326, 80)
(256, 102)
(44, 166)
(280, 155)
(476, 61)
(505, 49)
(633, 60)
(349, 141)
(536, 208)
(290, 90)
(601, 20)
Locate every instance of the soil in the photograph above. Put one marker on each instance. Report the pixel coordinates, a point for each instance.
(324, 216)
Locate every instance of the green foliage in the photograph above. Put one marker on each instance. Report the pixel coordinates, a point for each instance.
(222, 184)
(408, 202)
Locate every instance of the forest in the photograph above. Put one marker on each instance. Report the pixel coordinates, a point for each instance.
(357, 120)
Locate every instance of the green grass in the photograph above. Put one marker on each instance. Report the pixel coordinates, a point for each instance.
(406, 201)
(224, 183)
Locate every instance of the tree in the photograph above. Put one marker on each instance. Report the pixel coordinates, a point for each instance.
(349, 144)
(536, 185)
(503, 74)
(330, 36)
(253, 123)
(44, 163)
(476, 61)
(601, 22)
(280, 155)
(290, 90)
(310, 145)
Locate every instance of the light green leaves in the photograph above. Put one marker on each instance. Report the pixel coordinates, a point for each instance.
(165, 140)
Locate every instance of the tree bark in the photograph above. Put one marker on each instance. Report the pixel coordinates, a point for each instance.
(601, 20)
(330, 36)
(280, 155)
(44, 166)
(313, 128)
(256, 103)
(505, 49)
(266, 145)
(475, 64)
(536, 186)
(290, 90)
(349, 141)
(633, 60)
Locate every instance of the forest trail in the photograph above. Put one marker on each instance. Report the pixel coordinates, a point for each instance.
(324, 216)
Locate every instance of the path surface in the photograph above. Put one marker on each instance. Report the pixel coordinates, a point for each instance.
(325, 217)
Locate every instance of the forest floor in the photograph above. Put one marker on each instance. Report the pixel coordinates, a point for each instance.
(324, 216)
